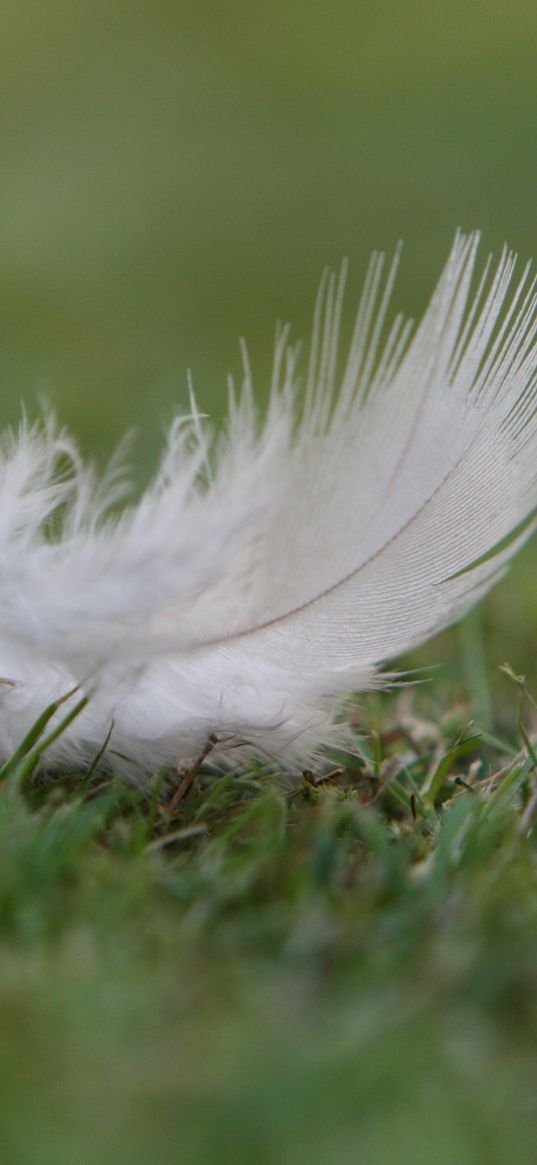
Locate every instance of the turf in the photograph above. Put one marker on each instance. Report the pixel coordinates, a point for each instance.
(285, 972)
(331, 968)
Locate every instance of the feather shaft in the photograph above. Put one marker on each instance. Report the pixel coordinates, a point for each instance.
(261, 575)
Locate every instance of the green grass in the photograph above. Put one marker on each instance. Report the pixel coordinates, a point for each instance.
(293, 969)
(342, 973)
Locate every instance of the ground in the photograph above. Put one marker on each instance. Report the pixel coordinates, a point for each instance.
(291, 968)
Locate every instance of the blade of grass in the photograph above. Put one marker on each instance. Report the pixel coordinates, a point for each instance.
(21, 773)
(34, 734)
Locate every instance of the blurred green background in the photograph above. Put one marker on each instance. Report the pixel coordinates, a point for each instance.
(177, 174)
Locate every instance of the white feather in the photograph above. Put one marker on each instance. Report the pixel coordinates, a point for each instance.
(254, 582)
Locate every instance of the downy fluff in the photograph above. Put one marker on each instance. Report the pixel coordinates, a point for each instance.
(260, 577)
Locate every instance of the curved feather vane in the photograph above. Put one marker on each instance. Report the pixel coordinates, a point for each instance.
(255, 581)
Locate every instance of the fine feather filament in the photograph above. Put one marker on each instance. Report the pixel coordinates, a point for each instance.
(257, 579)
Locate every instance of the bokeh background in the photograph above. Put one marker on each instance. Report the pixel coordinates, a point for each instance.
(177, 174)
